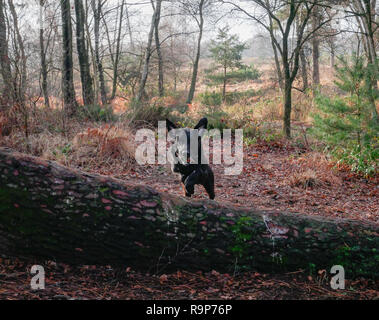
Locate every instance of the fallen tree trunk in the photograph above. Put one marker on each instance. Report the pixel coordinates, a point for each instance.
(51, 212)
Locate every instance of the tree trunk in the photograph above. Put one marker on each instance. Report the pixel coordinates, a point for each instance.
(5, 63)
(20, 60)
(92, 54)
(276, 56)
(224, 85)
(160, 58)
(288, 81)
(69, 96)
(278, 66)
(97, 8)
(146, 66)
(85, 73)
(332, 56)
(195, 71)
(287, 107)
(44, 69)
(304, 71)
(118, 53)
(316, 50)
(51, 212)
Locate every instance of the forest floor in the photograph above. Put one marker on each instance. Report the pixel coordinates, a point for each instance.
(104, 283)
(279, 176)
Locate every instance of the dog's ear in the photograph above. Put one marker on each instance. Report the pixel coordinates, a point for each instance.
(202, 125)
(170, 125)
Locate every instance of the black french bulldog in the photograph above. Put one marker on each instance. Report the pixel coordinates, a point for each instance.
(192, 174)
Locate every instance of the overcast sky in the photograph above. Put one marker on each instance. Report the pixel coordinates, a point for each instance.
(245, 29)
(141, 22)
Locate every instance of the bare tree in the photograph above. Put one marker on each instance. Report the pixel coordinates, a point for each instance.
(85, 73)
(115, 44)
(159, 52)
(330, 39)
(290, 56)
(275, 50)
(148, 53)
(196, 10)
(304, 70)
(97, 6)
(118, 49)
(316, 47)
(20, 59)
(44, 68)
(5, 62)
(365, 13)
(69, 96)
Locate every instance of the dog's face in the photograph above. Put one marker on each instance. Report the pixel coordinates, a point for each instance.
(182, 148)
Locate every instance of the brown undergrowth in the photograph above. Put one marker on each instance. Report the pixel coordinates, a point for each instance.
(89, 146)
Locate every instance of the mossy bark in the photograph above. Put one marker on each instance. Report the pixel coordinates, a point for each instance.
(51, 212)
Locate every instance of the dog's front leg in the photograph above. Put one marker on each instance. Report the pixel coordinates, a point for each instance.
(190, 182)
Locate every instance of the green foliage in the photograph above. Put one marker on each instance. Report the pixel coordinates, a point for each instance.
(345, 124)
(243, 73)
(242, 233)
(62, 151)
(254, 134)
(217, 120)
(97, 113)
(227, 50)
(214, 99)
(355, 261)
(238, 96)
(211, 99)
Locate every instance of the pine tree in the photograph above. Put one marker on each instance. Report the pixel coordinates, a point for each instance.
(345, 123)
(226, 52)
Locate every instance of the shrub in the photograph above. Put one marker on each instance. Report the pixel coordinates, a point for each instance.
(345, 124)
(238, 96)
(110, 148)
(214, 99)
(147, 113)
(218, 120)
(307, 179)
(244, 73)
(211, 99)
